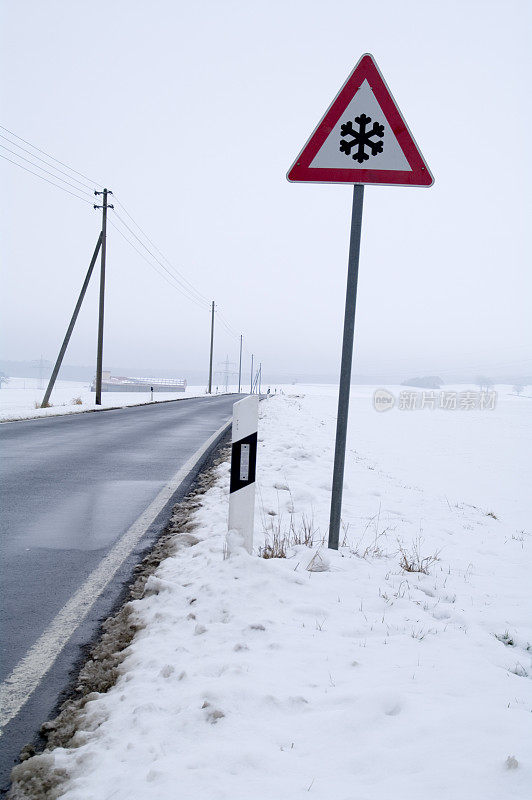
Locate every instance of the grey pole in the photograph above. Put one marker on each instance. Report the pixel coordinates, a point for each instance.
(240, 367)
(251, 379)
(212, 347)
(70, 328)
(260, 375)
(345, 372)
(99, 356)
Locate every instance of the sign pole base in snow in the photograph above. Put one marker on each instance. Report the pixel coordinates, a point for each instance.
(345, 371)
(243, 468)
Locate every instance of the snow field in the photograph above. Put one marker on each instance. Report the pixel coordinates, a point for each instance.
(336, 674)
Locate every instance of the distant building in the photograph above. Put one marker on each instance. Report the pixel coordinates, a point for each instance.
(111, 383)
(427, 382)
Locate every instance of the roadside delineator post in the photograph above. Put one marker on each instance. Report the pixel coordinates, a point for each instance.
(243, 468)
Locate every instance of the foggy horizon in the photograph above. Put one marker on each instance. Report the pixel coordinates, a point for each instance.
(192, 116)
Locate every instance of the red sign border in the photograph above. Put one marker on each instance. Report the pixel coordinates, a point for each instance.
(366, 69)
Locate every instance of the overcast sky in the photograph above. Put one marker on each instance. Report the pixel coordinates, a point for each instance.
(193, 112)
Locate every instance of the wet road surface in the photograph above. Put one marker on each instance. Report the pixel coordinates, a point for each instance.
(72, 486)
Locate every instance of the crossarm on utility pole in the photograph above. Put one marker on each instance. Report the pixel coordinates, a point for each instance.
(70, 328)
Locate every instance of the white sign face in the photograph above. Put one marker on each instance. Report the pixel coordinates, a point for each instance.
(377, 146)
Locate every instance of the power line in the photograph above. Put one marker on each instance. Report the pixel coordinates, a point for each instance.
(152, 265)
(180, 277)
(227, 324)
(24, 150)
(190, 294)
(94, 183)
(45, 179)
(173, 276)
(176, 277)
(178, 273)
(23, 158)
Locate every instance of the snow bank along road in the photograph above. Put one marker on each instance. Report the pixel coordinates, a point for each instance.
(335, 675)
(82, 498)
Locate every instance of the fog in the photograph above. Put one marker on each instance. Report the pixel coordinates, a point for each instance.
(193, 113)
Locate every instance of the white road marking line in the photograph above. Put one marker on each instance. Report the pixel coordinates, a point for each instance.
(18, 687)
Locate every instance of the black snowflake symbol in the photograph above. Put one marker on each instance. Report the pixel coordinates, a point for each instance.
(362, 138)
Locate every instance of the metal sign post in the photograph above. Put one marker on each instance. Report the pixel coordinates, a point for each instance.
(345, 369)
(362, 138)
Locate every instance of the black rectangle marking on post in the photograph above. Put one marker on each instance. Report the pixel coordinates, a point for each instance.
(243, 462)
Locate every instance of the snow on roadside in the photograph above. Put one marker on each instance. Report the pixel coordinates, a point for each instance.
(336, 675)
(19, 396)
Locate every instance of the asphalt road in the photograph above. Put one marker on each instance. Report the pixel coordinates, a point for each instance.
(72, 488)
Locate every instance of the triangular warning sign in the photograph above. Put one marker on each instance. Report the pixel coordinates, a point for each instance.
(362, 138)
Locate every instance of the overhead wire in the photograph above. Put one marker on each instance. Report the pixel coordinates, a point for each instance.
(193, 296)
(95, 183)
(226, 325)
(171, 274)
(25, 150)
(153, 266)
(169, 263)
(197, 295)
(45, 179)
(23, 158)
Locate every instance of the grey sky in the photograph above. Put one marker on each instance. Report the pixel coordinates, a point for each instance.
(192, 114)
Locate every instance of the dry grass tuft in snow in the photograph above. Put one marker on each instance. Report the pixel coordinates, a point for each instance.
(301, 531)
(412, 559)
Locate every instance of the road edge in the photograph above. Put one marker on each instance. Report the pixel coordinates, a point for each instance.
(41, 656)
(35, 776)
(116, 408)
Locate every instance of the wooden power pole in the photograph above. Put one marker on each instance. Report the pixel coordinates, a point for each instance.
(212, 347)
(99, 356)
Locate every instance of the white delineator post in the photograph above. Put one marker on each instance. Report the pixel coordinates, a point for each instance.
(243, 467)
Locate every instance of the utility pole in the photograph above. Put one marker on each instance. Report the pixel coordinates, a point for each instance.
(212, 347)
(251, 379)
(99, 356)
(260, 374)
(226, 373)
(240, 367)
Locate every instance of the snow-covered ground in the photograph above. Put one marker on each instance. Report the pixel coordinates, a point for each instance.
(338, 674)
(20, 395)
